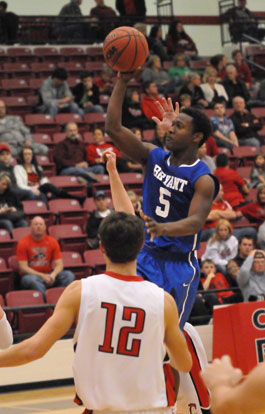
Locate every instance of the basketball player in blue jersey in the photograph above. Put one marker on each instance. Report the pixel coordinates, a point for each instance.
(177, 194)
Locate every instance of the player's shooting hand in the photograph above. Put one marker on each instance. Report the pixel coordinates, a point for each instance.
(168, 113)
(221, 373)
(127, 76)
(109, 157)
(153, 228)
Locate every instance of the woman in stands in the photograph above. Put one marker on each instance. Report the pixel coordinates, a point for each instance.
(156, 43)
(178, 41)
(29, 176)
(212, 90)
(257, 175)
(192, 87)
(11, 210)
(255, 211)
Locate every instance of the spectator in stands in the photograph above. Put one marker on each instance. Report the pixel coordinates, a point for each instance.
(255, 210)
(233, 86)
(222, 246)
(70, 156)
(29, 176)
(184, 101)
(56, 96)
(178, 41)
(192, 87)
(131, 8)
(212, 148)
(136, 202)
(156, 44)
(246, 124)
(14, 133)
(218, 62)
(180, 70)
(257, 175)
(149, 100)
(212, 90)
(132, 112)
(261, 236)
(86, 94)
(206, 158)
(251, 277)
(95, 150)
(105, 82)
(233, 185)
(243, 71)
(11, 210)
(69, 23)
(245, 245)
(212, 279)
(102, 11)
(159, 138)
(242, 21)
(105, 17)
(95, 218)
(8, 25)
(223, 127)
(154, 73)
(36, 255)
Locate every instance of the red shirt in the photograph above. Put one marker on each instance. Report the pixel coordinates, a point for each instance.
(220, 282)
(150, 108)
(39, 254)
(94, 151)
(255, 212)
(244, 73)
(129, 7)
(211, 146)
(220, 205)
(232, 184)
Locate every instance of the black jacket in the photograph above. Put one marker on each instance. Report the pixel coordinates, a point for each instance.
(235, 89)
(79, 90)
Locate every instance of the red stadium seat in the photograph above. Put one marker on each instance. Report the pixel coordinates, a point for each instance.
(88, 137)
(244, 172)
(47, 54)
(16, 87)
(243, 222)
(69, 184)
(94, 119)
(6, 278)
(27, 320)
(43, 69)
(89, 204)
(3, 56)
(199, 65)
(18, 70)
(63, 119)
(58, 137)
(104, 100)
(201, 249)
(70, 237)
(95, 259)
(53, 294)
(2, 302)
(41, 123)
(44, 139)
(73, 68)
(95, 67)
(7, 245)
(73, 81)
(20, 54)
(73, 54)
(34, 208)
(245, 154)
(94, 53)
(16, 105)
(223, 150)
(252, 195)
(35, 84)
(259, 112)
(69, 212)
(48, 167)
(21, 232)
(73, 261)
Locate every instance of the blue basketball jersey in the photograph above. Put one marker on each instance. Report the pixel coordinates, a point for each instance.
(167, 194)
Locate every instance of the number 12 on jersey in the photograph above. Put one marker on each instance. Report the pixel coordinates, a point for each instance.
(122, 345)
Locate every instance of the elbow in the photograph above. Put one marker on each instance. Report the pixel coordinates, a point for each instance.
(187, 364)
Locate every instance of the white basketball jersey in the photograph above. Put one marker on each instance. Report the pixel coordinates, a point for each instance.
(118, 364)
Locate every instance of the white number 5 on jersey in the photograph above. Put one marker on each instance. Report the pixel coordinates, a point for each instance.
(163, 211)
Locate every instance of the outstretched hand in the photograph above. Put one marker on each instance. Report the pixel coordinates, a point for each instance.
(127, 76)
(155, 229)
(109, 157)
(168, 113)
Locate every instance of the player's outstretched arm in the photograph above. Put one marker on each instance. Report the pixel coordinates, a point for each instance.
(177, 348)
(55, 327)
(119, 195)
(125, 139)
(6, 335)
(228, 394)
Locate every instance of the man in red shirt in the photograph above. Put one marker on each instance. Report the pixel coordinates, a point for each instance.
(149, 100)
(233, 185)
(40, 260)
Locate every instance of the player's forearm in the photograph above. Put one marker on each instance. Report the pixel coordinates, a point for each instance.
(19, 354)
(120, 197)
(114, 111)
(186, 227)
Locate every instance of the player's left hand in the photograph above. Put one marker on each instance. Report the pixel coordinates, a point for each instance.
(221, 373)
(109, 157)
(155, 229)
(168, 113)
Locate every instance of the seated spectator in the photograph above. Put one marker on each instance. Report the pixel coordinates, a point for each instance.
(95, 218)
(180, 70)
(255, 211)
(149, 100)
(9, 22)
(251, 277)
(222, 246)
(178, 41)
(257, 175)
(234, 86)
(156, 44)
(105, 82)
(70, 27)
(212, 279)
(106, 18)
(223, 127)
(86, 94)
(192, 87)
(184, 101)
(246, 124)
(29, 176)
(218, 62)
(55, 95)
(14, 133)
(245, 245)
(233, 185)
(205, 158)
(11, 210)
(36, 255)
(94, 152)
(211, 89)
(154, 73)
(131, 8)
(159, 138)
(261, 236)
(70, 156)
(243, 71)
(132, 113)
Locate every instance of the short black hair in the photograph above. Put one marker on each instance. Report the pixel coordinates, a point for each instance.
(3, 4)
(246, 236)
(59, 73)
(122, 236)
(201, 123)
(86, 74)
(219, 101)
(146, 85)
(222, 160)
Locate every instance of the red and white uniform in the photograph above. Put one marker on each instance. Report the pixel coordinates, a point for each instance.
(118, 364)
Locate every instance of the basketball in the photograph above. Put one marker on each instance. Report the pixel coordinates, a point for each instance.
(125, 49)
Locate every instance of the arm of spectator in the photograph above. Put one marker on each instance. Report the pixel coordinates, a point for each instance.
(256, 123)
(233, 138)
(25, 131)
(47, 94)
(244, 272)
(57, 268)
(21, 177)
(222, 137)
(206, 283)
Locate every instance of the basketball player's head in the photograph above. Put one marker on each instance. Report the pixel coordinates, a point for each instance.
(121, 236)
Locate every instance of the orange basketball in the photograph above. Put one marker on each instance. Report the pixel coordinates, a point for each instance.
(125, 49)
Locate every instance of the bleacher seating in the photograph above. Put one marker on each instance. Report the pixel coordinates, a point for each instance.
(96, 260)
(69, 212)
(70, 237)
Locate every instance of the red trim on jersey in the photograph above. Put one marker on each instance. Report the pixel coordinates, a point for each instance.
(125, 278)
(87, 411)
(170, 385)
(77, 400)
(201, 390)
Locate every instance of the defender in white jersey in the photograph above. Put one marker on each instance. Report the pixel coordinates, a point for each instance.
(124, 327)
(6, 335)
